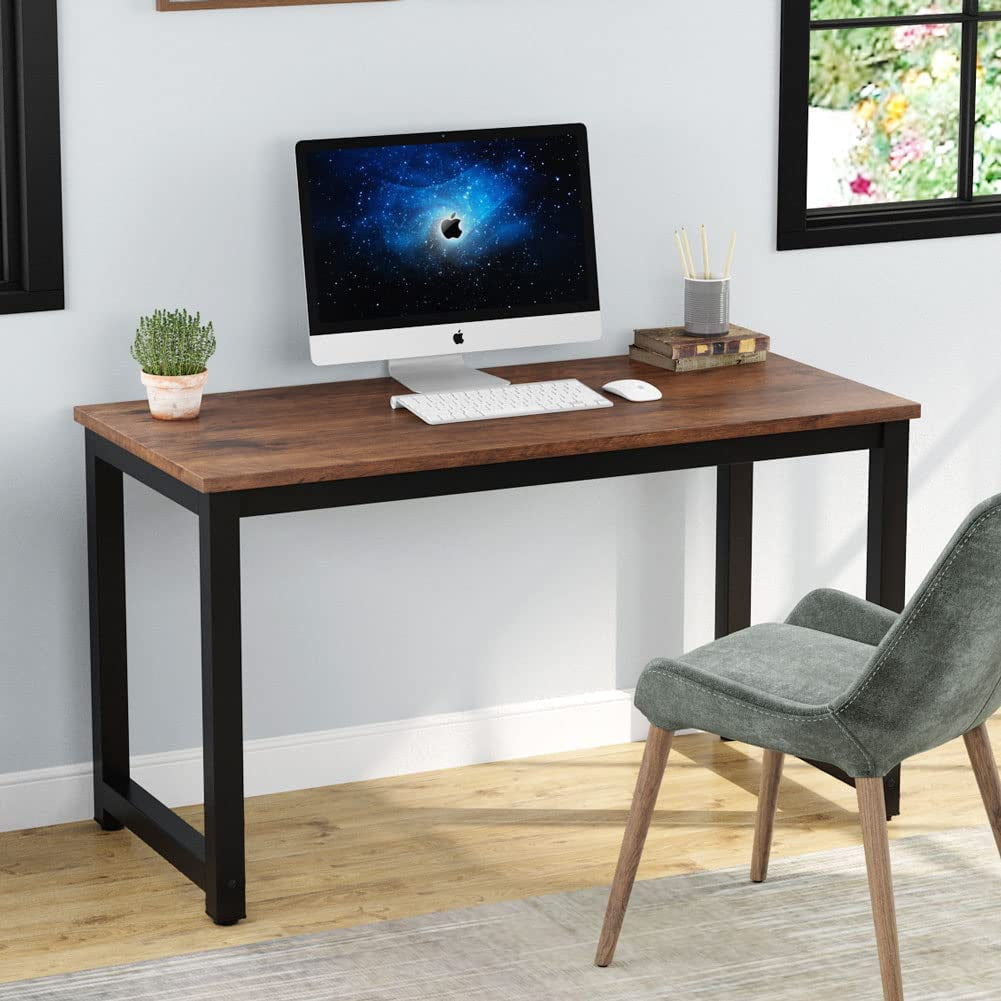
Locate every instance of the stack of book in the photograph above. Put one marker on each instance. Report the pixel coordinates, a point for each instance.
(672, 348)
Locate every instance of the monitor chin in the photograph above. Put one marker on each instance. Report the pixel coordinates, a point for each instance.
(452, 338)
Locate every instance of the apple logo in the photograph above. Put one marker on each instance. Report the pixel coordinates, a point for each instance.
(459, 337)
(451, 228)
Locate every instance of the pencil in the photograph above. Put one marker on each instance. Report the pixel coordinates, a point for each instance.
(681, 250)
(705, 252)
(729, 256)
(688, 252)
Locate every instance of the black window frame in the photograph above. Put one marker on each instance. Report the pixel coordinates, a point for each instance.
(799, 227)
(31, 225)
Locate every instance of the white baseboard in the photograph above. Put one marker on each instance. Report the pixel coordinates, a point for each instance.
(303, 761)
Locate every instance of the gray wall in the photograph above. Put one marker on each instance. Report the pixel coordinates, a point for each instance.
(179, 190)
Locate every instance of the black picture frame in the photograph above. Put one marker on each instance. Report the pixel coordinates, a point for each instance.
(799, 227)
(31, 222)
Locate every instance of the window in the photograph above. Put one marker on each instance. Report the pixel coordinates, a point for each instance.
(890, 121)
(31, 237)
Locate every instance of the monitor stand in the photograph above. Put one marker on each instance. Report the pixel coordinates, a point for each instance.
(442, 374)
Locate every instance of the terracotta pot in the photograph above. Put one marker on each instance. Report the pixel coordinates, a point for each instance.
(174, 397)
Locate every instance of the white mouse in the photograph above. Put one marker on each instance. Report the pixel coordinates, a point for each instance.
(633, 390)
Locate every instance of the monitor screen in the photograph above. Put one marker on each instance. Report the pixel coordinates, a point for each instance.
(408, 231)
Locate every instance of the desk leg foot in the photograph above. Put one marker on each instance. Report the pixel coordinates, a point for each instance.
(108, 823)
(222, 708)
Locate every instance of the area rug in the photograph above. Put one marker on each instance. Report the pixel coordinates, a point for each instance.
(806, 934)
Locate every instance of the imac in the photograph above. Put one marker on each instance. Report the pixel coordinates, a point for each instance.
(420, 247)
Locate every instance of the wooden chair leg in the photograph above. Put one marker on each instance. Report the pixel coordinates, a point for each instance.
(978, 746)
(872, 810)
(658, 746)
(764, 825)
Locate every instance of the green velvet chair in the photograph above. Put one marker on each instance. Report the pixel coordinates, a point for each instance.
(845, 682)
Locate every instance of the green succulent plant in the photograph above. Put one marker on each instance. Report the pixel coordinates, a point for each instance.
(173, 343)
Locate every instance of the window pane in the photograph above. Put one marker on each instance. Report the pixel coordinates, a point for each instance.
(823, 10)
(987, 147)
(884, 114)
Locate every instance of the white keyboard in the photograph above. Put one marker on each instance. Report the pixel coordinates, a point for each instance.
(505, 401)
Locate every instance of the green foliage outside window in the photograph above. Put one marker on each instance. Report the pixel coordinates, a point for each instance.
(823, 10)
(901, 84)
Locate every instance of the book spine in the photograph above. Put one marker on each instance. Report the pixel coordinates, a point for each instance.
(701, 364)
(654, 344)
(696, 347)
(743, 346)
(651, 358)
(707, 362)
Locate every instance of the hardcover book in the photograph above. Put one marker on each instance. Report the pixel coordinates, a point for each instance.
(674, 343)
(698, 363)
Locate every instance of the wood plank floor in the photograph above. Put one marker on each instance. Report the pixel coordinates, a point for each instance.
(73, 897)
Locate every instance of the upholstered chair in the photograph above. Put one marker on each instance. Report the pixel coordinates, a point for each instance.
(845, 682)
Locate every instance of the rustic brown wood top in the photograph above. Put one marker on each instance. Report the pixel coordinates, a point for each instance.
(346, 430)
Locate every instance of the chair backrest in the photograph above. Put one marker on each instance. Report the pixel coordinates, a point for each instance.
(937, 672)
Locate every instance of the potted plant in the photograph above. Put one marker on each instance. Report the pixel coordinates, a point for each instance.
(173, 348)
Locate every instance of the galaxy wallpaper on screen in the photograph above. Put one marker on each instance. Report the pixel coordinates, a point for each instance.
(448, 227)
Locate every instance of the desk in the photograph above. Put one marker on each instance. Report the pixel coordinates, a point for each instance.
(273, 451)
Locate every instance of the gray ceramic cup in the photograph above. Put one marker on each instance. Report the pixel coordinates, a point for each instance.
(707, 306)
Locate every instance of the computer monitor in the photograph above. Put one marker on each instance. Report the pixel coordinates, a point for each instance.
(420, 247)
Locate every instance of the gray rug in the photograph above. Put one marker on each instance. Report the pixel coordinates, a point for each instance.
(805, 934)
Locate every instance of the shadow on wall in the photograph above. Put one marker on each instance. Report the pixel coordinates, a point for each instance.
(391, 611)
(650, 596)
(930, 464)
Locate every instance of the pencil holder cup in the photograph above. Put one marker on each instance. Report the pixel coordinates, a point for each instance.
(707, 306)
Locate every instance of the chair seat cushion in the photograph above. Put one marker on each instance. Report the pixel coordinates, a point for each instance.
(771, 685)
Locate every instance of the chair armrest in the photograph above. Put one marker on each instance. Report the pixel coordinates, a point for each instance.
(840, 614)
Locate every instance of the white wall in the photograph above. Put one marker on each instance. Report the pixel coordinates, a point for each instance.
(179, 190)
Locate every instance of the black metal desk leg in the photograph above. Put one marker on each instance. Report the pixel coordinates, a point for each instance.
(886, 559)
(734, 522)
(222, 708)
(887, 545)
(108, 657)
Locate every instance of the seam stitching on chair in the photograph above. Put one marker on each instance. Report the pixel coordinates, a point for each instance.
(916, 614)
(868, 608)
(870, 765)
(817, 718)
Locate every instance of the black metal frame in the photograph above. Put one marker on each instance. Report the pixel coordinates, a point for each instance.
(800, 227)
(215, 861)
(31, 221)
